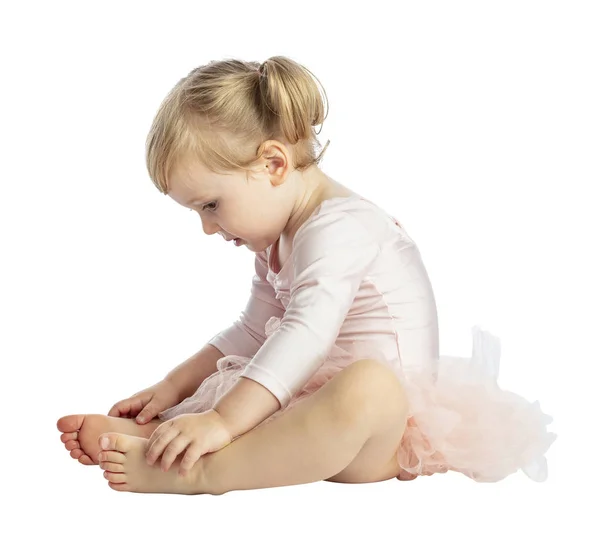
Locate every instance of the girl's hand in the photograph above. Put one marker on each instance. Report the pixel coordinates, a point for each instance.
(200, 433)
(147, 403)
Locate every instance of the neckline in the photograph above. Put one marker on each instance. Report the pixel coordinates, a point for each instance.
(302, 226)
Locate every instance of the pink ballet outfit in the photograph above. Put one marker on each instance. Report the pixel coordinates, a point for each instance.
(355, 287)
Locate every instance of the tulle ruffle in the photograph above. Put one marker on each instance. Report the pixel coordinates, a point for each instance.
(459, 418)
(229, 369)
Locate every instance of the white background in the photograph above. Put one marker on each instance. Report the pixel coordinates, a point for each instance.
(474, 123)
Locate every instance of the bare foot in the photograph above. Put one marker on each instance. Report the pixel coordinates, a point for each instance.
(123, 459)
(80, 433)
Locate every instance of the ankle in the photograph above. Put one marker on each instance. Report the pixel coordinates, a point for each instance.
(204, 478)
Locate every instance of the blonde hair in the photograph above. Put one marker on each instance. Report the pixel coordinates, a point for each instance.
(222, 112)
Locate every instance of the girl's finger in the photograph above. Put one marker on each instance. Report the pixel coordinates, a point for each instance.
(193, 453)
(136, 406)
(176, 446)
(157, 432)
(151, 409)
(120, 409)
(160, 443)
(114, 411)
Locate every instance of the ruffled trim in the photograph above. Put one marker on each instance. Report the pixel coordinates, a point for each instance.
(229, 369)
(461, 420)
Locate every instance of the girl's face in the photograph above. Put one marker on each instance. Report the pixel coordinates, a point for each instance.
(255, 211)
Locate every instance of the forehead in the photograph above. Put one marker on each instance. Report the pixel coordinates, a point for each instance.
(190, 181)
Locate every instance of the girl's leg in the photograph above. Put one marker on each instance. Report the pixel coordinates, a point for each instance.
(347, 431)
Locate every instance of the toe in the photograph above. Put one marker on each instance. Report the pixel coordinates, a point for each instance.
(66, 436)
(111, 456)
(115, 478)
(112, 467)
(81, 456)
(77, 453)
(119, 487)
(115, 441)
(72, 445)
(70, 423)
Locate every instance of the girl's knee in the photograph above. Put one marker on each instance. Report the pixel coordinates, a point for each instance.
(375, 386)
(371, 373)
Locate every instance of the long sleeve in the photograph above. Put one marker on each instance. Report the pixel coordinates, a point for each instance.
(331, 256)
(246, 335)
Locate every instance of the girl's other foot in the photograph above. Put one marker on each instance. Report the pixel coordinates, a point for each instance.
(80, 433)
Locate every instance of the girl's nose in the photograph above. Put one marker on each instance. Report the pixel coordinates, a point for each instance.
(209, 228)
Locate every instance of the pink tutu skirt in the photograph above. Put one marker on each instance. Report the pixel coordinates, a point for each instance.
(459, 418)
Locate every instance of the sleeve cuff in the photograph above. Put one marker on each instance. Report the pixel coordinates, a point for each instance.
(270, 382)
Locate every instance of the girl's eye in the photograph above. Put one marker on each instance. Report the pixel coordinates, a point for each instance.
(210, 206)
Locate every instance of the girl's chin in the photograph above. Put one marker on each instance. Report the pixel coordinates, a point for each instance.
(242, 243)
(252, 247)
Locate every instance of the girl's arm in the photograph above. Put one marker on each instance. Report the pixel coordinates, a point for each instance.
(243, 338)
(245, 405)
(247, 334)
(331, 258)
(188, 375)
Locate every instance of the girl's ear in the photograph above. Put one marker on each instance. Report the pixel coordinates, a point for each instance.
(277, 161)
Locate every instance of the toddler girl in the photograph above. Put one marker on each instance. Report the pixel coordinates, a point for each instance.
(332, 371)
